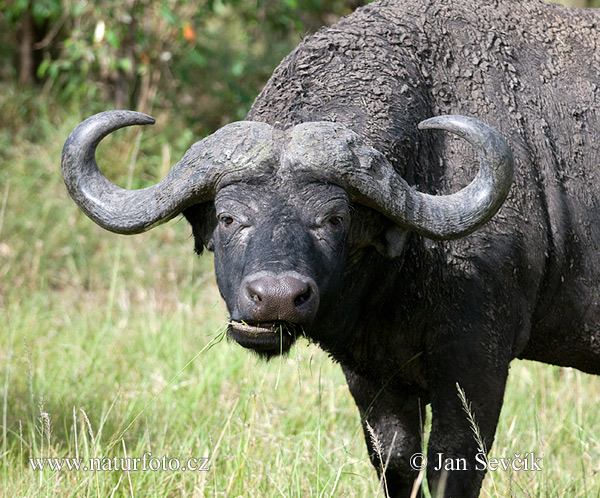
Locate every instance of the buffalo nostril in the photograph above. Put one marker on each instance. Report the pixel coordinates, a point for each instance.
(258, 290)
(302, 298)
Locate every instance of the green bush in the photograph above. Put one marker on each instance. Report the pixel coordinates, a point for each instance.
(204, 60)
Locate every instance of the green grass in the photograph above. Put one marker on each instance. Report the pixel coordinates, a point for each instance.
(104, 352)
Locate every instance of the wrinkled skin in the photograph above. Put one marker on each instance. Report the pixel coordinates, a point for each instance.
(312, 226)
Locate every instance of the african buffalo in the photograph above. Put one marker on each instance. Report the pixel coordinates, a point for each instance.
(332, 216)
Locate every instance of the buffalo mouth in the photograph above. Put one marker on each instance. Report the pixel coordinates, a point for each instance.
(267, 338)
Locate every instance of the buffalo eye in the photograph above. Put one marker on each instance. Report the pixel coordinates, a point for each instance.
(335, 220)
(225, 220)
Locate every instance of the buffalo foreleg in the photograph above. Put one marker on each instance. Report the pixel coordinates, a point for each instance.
(466, 386)
(393, 426)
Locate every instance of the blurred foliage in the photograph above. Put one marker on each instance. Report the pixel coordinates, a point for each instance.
(205, 59)
(581, 3)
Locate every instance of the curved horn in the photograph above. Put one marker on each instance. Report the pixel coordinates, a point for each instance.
(455, 215)
(236, 147)
(336, 154)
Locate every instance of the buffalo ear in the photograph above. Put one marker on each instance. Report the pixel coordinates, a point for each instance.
(391, 242)
(370, 228)
(203, 219)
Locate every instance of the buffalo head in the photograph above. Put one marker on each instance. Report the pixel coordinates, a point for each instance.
(285, 211)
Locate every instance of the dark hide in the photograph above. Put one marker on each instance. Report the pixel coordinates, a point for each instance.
(407, 317)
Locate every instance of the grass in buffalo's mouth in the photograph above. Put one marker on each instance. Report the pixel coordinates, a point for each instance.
(273, 327)
(254, 328)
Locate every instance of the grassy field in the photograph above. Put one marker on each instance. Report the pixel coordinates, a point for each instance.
(112, 346)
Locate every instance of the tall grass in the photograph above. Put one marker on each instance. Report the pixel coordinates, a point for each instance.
(111, 346)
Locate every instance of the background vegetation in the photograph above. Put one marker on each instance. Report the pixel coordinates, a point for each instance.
(111, 346)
